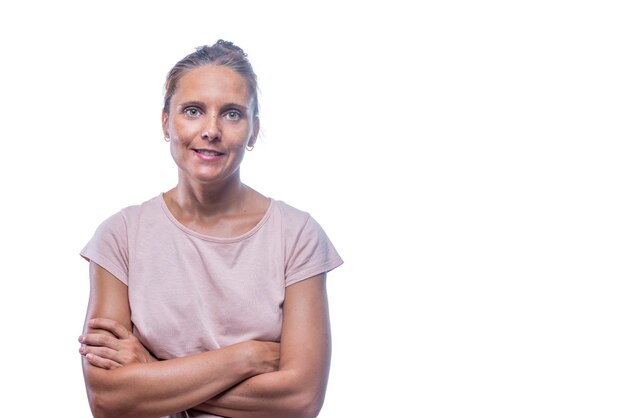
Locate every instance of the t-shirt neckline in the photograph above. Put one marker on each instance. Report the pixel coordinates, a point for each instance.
(196, 234)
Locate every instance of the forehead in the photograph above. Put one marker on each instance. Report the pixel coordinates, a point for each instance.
(212, 82)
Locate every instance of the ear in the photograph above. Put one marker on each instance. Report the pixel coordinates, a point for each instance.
(165, 118)
(255, 132)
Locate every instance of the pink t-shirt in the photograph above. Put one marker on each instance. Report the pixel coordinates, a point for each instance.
(190, 292)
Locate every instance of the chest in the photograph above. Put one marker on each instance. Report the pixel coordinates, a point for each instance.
(190, 296)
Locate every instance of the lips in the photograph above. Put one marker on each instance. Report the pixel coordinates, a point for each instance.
(207, 154)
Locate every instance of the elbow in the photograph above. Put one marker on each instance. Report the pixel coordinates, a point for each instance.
(104, 410)
(307, 396)
(109, 404)
(109, 395)
(313, 409)
(309, 405)
(102, 406)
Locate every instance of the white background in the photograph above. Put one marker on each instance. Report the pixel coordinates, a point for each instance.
(466, 158)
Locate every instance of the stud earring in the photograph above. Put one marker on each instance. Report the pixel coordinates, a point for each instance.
(166, 138)
(249, 148)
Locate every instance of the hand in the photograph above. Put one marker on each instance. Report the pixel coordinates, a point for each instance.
(116, 348)
(265, 355)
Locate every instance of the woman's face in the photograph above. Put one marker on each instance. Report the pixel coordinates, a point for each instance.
(209, 124)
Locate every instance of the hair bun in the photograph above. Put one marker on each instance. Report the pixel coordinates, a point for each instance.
(230, 46)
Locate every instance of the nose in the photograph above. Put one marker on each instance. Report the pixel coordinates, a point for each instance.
(212, 130)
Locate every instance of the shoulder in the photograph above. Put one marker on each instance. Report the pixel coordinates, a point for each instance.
(110, 245)
(290, 213)
(297, 224)
(150, 205)
(134, 212)
(295, 220)
(309, 251)
(130, 215)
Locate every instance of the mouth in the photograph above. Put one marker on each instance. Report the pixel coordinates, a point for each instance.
(208, 152)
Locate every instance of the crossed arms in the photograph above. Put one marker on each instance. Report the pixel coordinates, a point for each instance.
(251, 379)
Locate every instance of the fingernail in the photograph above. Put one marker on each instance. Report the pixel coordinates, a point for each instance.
(89, 355)
(81, 339)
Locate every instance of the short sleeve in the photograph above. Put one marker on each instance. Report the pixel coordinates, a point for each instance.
(312, 254)
(109, 247)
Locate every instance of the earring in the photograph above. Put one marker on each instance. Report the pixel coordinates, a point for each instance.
(249, 148)
(166, 138)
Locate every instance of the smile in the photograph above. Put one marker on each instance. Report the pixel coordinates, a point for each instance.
(206, 154)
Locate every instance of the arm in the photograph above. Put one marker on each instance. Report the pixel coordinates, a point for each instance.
(116, 348)
(159, 388)
(297, 389)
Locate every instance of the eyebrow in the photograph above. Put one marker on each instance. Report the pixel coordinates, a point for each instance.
(201, 105)
(190, 103)
(236, 105)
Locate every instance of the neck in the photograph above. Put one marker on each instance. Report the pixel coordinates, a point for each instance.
(206, 200)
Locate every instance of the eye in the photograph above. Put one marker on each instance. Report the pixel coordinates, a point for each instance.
(233, 115)
(192, 112)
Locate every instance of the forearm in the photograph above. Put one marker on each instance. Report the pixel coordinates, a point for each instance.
(165, 387)
(280, 394)
(297, 389)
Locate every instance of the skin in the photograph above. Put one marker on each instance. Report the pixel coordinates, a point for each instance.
(209, 111)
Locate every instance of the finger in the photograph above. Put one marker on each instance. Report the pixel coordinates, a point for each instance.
(103, 352)
(110, 325)
(100, 340)
(100, 362)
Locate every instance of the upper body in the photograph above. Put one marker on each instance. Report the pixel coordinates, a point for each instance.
(190, 292)
(198, 297)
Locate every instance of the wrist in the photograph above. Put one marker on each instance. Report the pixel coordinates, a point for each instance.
(252, 358)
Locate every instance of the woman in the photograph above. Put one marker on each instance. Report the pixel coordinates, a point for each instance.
(210, 299)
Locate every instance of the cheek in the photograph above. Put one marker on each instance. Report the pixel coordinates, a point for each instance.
(183, 130)
(239, 145)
